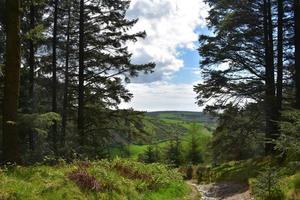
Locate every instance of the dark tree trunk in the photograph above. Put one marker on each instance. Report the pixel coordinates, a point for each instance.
(80, 122)
(280, 56)
(54, 77)
(297, 50)
(270, 104)
(11, 82)
(31, 73)
(66, 86)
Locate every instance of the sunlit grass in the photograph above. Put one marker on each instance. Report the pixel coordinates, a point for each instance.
(119, 179)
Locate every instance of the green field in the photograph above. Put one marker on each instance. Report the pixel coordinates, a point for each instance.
(184, 116)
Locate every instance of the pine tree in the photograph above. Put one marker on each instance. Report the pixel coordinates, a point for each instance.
(270, 103)
(106, 62)
(266, 186)
(280, 8)
(31, 33)
(239, 134)
(54, 73)
(80, 117)
(81, 83)
(194, 155)
(66, 76)
(2, 34)
(174, 152)
(243, 42)
(12, 82)
(150, 155)
(31, 62)
(297, 50)
(238, 44)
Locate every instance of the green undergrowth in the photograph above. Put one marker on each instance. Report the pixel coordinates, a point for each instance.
(291, 186)
(286, 188)
(112, 180)
(239, 171)
(285, 181)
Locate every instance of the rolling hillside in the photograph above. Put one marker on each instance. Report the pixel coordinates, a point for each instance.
(161, 127)
(185, 116)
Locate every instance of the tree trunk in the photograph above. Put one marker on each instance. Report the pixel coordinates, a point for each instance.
(280, 55)
(297, 50)
(31, 73)
(54, 77)
(12, 83)
(66, 86)
(80, 122)
(270, 104)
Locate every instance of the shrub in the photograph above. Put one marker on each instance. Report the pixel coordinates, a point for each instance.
(151, 155)
(84, 180)
(130, 173)
(297, 181)
(204, 174)
(266, 185)
(155, 176)
(189, 173)
(289, 140)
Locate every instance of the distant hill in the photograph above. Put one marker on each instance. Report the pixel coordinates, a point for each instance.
(184, 116)
(163, 125)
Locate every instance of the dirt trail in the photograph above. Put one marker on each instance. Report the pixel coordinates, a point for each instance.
(223, 191)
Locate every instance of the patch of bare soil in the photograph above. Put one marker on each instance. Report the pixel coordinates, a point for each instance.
(224, 191)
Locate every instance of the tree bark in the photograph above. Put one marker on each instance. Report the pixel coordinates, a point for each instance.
(54, 75)
(270, 104)
(66, 86)
(280, 55)
(11, 83)
(31, 73)
(297, 50)
(80, 122)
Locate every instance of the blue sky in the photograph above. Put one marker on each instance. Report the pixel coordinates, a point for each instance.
(173, 28)
(187, 74)
(190, 73)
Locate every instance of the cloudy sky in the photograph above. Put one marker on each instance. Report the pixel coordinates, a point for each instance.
(172, 27)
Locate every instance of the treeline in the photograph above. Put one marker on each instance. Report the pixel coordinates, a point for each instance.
(251, 66)
(174, 153)
(64, 64)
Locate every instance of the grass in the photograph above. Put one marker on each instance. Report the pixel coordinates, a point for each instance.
(118, 180)
(172, 192)
(290, 186)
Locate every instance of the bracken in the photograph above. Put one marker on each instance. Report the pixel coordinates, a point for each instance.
(84, 180)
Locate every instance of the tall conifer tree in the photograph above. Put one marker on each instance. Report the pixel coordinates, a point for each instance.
(297, 50)
(12, 82)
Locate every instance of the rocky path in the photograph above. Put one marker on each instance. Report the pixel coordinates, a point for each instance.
(223, 191)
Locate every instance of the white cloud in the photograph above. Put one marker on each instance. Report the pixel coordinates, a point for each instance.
(158, 96)
(170, 25)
